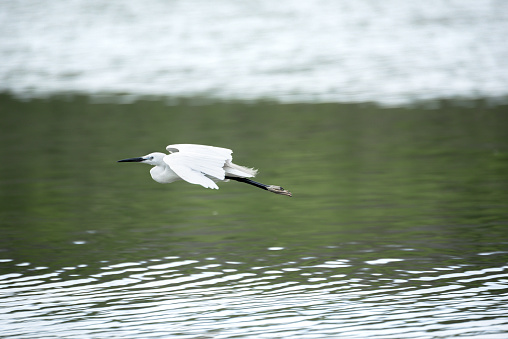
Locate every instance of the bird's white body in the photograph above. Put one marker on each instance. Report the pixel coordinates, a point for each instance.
(200, 165)
(164, 174)
(197, 164)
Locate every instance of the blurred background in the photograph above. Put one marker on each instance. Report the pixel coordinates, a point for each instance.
(394, 52)
(386, 120)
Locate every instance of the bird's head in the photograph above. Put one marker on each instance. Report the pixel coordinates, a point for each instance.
(278, 190)
(153, 159)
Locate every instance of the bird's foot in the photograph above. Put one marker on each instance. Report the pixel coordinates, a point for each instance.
(278, 190)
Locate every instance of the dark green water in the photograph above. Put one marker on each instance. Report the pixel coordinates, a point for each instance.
(380, 196)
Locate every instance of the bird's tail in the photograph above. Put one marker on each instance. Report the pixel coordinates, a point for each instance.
(239, 171)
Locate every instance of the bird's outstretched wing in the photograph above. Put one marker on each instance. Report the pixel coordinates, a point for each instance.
(201, 149)
(197, 163)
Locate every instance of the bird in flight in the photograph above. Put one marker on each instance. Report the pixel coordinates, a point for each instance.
(201, 165)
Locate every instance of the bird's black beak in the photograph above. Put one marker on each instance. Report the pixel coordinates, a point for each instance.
(132, 160)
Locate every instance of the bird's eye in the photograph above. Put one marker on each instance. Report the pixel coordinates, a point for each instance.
(151, 158)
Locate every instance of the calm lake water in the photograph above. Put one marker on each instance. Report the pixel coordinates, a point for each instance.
(398, 225)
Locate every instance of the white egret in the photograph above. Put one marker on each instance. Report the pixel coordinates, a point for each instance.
(201, 165)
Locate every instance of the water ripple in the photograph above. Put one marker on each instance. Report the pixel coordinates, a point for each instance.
(221, 299)
(293, 51)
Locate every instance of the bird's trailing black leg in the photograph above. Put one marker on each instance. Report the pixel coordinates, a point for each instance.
(248, 181)
(270, 188)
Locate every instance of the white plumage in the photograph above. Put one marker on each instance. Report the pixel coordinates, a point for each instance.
(201, 165)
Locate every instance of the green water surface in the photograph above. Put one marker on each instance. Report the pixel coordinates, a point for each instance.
(432, 180)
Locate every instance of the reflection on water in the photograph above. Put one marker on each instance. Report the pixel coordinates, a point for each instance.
(397, 226)
(333, 295)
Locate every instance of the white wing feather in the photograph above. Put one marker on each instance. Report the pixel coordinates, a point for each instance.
(205, 150)
(196, 163)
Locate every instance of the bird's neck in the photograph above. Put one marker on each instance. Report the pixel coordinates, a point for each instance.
(163, 174)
